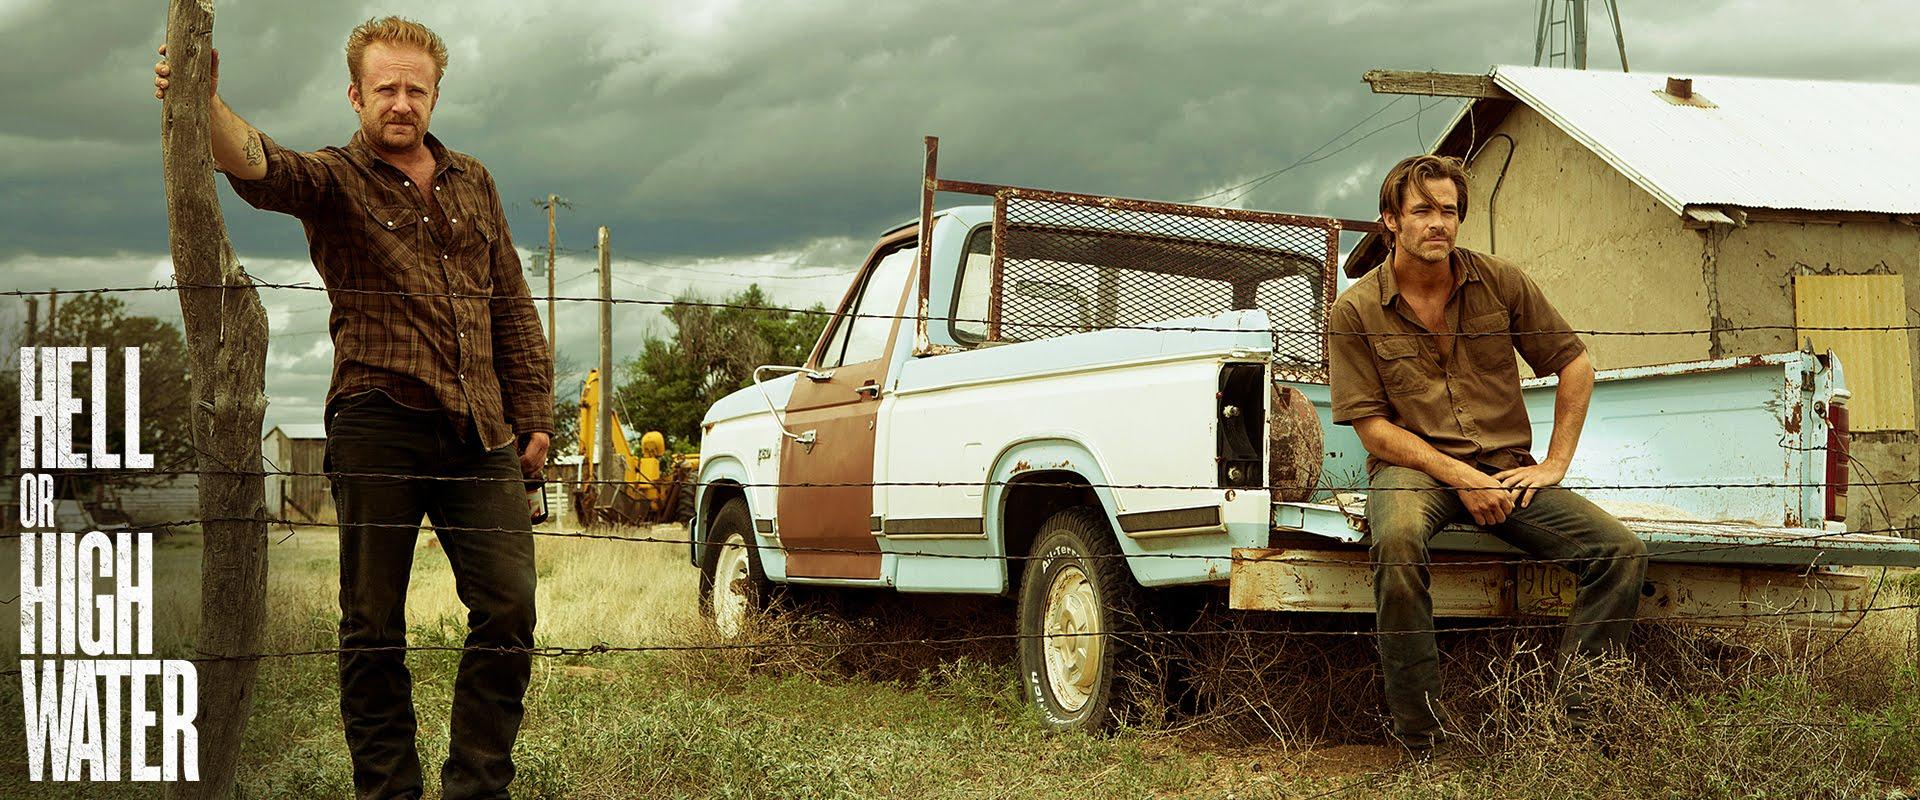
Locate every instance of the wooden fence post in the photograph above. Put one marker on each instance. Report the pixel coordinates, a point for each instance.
(226, 332)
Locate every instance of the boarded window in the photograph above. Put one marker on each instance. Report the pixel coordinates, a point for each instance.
(1878, 363)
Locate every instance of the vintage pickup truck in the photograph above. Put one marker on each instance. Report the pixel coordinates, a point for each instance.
(1080, 400)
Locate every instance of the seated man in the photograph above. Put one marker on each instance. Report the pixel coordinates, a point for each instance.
(1422, 353)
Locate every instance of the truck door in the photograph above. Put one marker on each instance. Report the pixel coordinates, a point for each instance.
(841, 410)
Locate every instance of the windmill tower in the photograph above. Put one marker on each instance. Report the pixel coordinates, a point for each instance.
(1560, 33)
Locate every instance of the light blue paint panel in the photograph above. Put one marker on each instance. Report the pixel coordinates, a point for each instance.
(1722, 425)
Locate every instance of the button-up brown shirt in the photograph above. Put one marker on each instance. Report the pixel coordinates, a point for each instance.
(429, 304)
(1385, 362)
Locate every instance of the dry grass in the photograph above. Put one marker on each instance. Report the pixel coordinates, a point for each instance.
(824, 711)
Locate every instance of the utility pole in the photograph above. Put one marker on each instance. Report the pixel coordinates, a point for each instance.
(553, 242)
(53, 314)
(33, 321)
(552, 203)
(604, 425)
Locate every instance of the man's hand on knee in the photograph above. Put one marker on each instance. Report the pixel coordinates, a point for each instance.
(1532, 479)
(1487, 499)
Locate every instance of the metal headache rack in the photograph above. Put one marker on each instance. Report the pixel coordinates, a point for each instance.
(1065, 263)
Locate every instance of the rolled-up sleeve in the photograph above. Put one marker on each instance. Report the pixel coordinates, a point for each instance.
(521, 359)
(1357, 390)
(300, 184)
(1542, 336)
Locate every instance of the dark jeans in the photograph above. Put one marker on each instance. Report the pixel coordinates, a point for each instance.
(1557, 524)
(493, 574)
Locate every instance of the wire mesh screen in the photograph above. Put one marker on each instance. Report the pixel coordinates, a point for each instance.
(1066, 265)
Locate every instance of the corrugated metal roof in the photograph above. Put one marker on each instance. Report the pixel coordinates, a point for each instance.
(1765, 143)
(311, 430)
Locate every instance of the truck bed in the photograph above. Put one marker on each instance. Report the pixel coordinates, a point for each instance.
(1327, 526)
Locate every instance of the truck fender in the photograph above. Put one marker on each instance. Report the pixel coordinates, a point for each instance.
(715, 473)
(1044, 458)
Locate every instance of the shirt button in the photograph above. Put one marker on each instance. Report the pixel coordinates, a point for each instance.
(463, 376)
(423, 219)
(437, 188)
(389, 223)
(406, 183)
(456, 220)
(443, 256)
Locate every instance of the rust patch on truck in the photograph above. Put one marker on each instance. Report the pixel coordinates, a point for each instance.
(1022, 466)
(1795, 416)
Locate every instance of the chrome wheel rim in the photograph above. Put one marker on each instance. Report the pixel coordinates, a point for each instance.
(1073, 645)
(730, 580)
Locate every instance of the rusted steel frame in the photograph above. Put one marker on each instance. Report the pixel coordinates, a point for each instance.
(1329, 287)
(998, 267)
(1253, 250)
(1157, 206)
(928, 182)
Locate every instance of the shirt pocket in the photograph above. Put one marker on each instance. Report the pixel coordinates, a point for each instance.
(1400, 371)
(1489, 342)
(393, 238)
(472, 263)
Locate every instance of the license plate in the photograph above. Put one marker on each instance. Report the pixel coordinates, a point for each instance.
(1543, 590)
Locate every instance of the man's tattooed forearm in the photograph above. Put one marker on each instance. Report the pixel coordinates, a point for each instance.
(253, 149)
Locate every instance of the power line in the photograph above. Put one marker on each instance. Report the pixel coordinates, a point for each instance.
(1303, 159)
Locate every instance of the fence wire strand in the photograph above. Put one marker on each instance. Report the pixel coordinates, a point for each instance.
(1288, 554)
(822, 312)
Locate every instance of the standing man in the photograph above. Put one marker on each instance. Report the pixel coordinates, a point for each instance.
(439, 370)
(1423, 369)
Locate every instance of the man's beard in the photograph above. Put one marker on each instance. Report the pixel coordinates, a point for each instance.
(1418, 248)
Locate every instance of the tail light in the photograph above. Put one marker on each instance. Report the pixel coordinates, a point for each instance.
(1241, 420)
(1839, 434)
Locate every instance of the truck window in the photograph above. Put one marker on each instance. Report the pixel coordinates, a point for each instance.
(969, 323)
(863, 337)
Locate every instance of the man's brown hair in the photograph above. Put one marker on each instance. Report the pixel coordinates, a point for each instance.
(395, 31)
(1414, 172)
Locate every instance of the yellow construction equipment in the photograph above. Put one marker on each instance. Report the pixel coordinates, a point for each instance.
(654, 487)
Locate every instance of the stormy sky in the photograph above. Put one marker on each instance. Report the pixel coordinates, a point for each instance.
(727, 142)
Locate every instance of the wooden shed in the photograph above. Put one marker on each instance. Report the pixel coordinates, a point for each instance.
(299, 449)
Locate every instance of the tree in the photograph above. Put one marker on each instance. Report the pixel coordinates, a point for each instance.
(712, 352)
(96, 320)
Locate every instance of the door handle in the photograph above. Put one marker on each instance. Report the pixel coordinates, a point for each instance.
(870, 389)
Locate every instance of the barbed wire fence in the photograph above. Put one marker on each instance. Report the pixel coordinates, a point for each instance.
(1810, 541)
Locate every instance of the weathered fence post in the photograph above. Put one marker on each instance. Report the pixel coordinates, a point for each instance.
(226, 331)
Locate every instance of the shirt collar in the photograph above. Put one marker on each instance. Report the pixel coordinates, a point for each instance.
(1465, 268)
(443, 159)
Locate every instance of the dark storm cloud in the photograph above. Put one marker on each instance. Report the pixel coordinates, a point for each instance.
(774, 139)
(722, 128)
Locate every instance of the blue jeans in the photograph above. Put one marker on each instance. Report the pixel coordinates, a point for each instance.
(493, 574)
(1407, 507)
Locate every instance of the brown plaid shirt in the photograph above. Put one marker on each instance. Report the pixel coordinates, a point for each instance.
(458, 331)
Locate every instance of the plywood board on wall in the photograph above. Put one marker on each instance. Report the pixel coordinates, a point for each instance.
(1875, 356)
